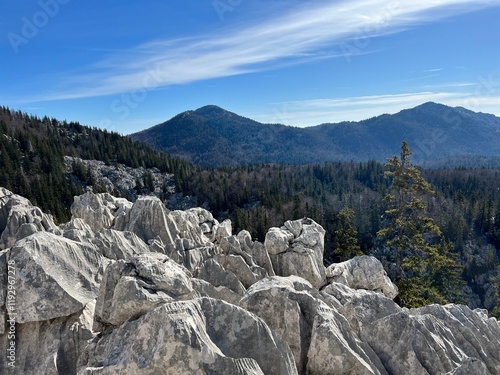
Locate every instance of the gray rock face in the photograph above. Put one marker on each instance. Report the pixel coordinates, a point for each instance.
(55, 277)
(50, 347)
(119, 245)
(363, 272)
(99, 210)
(435, 340)
(318, 335)
(360, 306)
(77, 230)
(297, 249)
(117, 269)
(203, 336)
(149, 219)
(212, 272)
(19, 219)
(132, 288)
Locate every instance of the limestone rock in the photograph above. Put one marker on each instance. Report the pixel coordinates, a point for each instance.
(297, 313)
(361, 306)
(119, 245)
(205, 289)
(362, 272)
(19, 219)
(56, 277)
(297, 249)
(248, 275)
(435, 340)
(203, 336)
(189, 226)
(149, 219)
(256, 250)
(131, 288)
(77, 230)
(50, 347)
(211, 271)
(99, 210)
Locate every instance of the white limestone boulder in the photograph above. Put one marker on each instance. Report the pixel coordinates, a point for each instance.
(297, 249)
(202, 336)
(362, 272)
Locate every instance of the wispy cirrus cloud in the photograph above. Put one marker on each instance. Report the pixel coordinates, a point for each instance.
(318, 111)
(308, 31)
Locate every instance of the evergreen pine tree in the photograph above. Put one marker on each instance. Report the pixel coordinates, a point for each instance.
(346, 236)
(425, 269)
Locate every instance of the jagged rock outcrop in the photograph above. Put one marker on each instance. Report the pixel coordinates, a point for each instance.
(202, 336)
(137, 289)
(50, 347)
(77, 230)
(297, 249)
(99, 210)
(320, 338)
(55, 277)
(132, 288)
(19, 219)
(116, 176)
(435, 340)
(362, 272)
(117, 245)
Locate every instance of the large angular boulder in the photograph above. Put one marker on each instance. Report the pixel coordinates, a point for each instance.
(117, 245)
(256, 250)
(361, 306)
(50, 347)
(212, 272)
(99, 210)
(362, 272)
(55, 277)
(435, 339)
(20, 219)
(77, 230)
(132, 288)
(149, 219)
(297, 249)
(319, 337)
(203, 336)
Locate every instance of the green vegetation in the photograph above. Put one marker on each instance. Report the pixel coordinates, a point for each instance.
(426, 271)
(346, 198)
(32, 154)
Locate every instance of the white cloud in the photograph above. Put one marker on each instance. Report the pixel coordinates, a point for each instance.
(318, 111)
(308, 31)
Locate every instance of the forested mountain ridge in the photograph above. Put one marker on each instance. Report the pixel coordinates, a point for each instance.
(440, 135)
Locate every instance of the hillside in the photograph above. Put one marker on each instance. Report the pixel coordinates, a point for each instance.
(440, 135)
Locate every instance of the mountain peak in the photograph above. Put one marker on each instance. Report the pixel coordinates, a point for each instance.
(212, 110)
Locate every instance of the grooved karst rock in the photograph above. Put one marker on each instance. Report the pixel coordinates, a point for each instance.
(19, 219)
(132, 289)
(55, 277)
(204, 336)
(297, 249)
(100, 210)
(362, 272)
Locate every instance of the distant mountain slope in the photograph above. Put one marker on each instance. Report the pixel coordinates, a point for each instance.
(212, 136)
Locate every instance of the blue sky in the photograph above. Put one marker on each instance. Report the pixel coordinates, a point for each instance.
(128, 65)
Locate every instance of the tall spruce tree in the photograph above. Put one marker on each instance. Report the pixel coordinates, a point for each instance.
(426, 271)
(346, 236)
